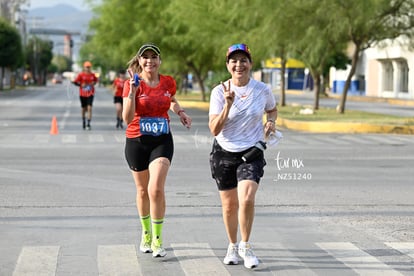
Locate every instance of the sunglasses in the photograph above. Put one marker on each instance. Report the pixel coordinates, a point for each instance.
(238, 47)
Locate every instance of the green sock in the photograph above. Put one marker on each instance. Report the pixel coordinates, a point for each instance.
(157, 229)
(146, 224)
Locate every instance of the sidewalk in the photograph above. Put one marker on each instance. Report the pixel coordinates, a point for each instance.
(334, 127)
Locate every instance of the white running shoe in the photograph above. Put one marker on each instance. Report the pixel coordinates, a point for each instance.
(232, 257)
(145, 246)
(246, 252)
(157, 249)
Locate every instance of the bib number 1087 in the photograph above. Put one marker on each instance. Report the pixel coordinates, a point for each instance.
(154, 126)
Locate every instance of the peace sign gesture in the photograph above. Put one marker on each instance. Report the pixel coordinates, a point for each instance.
(228, 94)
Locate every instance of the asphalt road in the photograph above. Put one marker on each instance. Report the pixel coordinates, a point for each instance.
(329, 204)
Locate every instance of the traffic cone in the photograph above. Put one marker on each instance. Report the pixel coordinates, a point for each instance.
(54, 127)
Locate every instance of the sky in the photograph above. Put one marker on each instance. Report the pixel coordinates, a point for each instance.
(79, 4)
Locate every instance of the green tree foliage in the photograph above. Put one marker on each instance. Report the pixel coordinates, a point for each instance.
(62, 63)
(11, 53)
(310, 35)
(39, 56)
(8, 8)
(194, 35)
(370, 22)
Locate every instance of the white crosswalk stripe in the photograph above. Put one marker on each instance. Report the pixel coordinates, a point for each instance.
(191, 256)
(68, 138)
(197, 139)
(282, 259)
(37, 260)
(41, 139)
(357, 259)
(200, 259)
(120, 138)
(406, 248)
(118, 260)
(96, 138)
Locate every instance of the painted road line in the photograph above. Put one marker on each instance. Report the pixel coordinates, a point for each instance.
(95, 138)
(406, 248)
(282, 260)
(69, 139)
(357, 259)
(37, 260)
(118, 260)
(192, 255)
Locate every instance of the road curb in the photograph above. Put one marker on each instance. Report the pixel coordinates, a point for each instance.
(344, 127)
(194, 104)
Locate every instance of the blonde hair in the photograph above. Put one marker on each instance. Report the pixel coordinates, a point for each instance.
(133, 64)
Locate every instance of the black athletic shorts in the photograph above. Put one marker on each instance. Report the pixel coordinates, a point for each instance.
(85, 101)
(141, 151)
(118, 99)
(228, 168)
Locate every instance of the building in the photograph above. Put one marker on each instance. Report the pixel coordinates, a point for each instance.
(296, 76)
(382, 71)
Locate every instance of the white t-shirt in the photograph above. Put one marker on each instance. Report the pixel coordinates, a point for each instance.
(244, 125)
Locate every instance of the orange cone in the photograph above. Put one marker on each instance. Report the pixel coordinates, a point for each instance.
(54, 127)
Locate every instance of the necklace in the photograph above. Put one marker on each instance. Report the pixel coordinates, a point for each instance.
(243, 92)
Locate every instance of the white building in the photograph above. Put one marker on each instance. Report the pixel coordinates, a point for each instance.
(388, 71)
(382, 71)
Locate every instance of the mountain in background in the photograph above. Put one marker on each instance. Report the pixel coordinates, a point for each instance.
(62, 17)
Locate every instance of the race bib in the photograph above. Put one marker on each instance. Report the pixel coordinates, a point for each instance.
(87, 88)
(154, 126)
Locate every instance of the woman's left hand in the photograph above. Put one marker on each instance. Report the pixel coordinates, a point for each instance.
(269, 127)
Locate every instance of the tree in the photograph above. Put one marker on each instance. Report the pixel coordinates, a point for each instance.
(205, 29)
(38, 56)
(11, 54)
(62, 63)
(275, 27)
(312, 38)
(8, 8)
(115, 36)
(194, 35)
(369, 22)
(193, 41)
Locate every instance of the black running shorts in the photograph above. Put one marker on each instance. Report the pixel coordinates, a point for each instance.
(141, 151)
(85, 101)
(118, 99)
(227, 168)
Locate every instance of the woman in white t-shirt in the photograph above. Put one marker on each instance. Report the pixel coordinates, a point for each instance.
(235, 119)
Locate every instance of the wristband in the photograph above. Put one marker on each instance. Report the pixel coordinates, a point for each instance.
(270, 120)
(179, 111)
